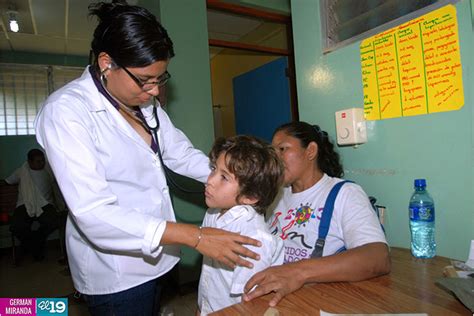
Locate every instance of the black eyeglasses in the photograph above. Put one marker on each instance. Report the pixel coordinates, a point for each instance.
(148, 86)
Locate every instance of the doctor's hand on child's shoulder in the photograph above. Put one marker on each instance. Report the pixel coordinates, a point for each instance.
(221, 245)
(227, 247)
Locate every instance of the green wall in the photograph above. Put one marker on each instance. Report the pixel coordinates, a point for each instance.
(189, 102)
(438, 147)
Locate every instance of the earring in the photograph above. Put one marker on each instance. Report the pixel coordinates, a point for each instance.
(103, 78)
(109, 66)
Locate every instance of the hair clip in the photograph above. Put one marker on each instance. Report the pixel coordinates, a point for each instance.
(320, 132)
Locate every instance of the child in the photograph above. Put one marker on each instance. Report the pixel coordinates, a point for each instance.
(246, 175)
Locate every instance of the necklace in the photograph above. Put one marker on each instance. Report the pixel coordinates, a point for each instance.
(133, 114)
(125, 109)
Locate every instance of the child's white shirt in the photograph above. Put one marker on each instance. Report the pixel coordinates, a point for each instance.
(220, 286)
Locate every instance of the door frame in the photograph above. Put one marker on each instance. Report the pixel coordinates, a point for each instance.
(235, 9)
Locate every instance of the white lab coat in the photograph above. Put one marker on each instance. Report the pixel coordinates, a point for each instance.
(114, 186)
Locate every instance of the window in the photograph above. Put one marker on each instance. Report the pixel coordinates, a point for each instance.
(23, 88)
(347, 21)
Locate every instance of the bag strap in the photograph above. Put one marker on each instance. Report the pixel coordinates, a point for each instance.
(326, 220)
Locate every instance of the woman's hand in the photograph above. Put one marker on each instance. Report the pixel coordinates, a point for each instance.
(282, 280)
(226, 247)
(355, 264)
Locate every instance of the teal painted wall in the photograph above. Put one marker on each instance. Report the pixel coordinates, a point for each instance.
(472, 12)
(438, 147)
(189, 102)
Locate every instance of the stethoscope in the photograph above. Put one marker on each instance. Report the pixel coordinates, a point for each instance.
(154, 131)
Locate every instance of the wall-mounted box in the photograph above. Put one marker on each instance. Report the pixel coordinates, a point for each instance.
(351, 127)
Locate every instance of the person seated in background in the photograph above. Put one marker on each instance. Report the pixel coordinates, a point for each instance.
(355, 247)
(38, 200)
(246, 175)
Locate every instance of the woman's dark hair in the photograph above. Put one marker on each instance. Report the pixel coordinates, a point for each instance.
(131, 35)
(328, 158)
(255, 165)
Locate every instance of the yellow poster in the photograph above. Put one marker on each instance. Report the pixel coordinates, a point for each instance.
(414, 68)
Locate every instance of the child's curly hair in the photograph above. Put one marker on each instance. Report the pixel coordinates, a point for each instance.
(256, 166)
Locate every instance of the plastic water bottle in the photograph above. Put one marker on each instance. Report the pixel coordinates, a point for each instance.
(422, 222)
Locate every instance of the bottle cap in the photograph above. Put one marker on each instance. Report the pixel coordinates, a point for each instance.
(420, 182)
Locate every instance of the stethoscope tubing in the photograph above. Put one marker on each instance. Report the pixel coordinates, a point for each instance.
(167, 171)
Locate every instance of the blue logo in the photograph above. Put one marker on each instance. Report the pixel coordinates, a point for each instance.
(425, 214)
(51, 306)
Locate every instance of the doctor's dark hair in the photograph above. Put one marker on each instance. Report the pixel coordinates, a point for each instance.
(328, 159)
(255, 165)
(130, 35)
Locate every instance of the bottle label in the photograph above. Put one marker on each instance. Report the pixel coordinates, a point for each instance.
(425, 214)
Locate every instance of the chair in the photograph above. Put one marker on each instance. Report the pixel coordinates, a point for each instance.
(379, 210)
(8, 199)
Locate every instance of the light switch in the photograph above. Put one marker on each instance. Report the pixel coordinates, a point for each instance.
(350, 127)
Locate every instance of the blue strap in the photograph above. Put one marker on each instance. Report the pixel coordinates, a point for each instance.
(326, 220)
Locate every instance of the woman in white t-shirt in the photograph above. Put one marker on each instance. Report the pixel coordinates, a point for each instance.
(355, 247)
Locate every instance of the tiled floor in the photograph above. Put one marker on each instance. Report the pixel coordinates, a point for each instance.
(50, 279)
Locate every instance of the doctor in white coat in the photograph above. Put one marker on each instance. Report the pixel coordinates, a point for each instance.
(121, 233)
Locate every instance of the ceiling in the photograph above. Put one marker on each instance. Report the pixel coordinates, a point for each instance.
(63, 27)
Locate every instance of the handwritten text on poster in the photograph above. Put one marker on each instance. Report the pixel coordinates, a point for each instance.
(414, 68)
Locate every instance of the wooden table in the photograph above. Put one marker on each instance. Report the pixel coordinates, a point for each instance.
(409, 288)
